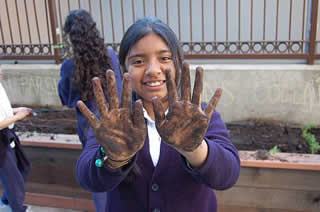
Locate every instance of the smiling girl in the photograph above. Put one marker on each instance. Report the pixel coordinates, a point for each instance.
(164, 152)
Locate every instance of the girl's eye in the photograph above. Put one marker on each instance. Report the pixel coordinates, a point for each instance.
(137, 62)
(166, 58)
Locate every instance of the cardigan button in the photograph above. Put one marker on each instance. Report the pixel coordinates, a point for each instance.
(155, 187)
(156, 210)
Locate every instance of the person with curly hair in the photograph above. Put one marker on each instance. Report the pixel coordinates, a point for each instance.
(90, 58)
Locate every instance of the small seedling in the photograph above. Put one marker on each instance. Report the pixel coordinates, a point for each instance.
(311, 139)
(274, 149)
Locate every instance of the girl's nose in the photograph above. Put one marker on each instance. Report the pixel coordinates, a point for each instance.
(154, 68)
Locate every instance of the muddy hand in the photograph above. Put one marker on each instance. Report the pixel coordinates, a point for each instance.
(120, 131)
(186, 123)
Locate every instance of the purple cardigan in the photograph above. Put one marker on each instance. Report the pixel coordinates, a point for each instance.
(170, 186)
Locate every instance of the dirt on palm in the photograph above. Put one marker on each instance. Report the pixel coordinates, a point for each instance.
(246, 135)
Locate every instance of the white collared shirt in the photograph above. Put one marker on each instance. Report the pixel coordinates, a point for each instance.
(5, 106)
(154, 139)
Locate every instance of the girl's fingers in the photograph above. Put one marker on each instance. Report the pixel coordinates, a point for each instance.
(185, 83)
(100, 98)
(94, 122)
(171, 87)
(210, 108)
(158, 111)
(112, 90)
(138, 118)
(198, 85)
(126, 92)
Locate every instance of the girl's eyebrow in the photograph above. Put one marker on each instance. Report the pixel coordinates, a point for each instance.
(164, 51)
(143, 55)
(135, 55)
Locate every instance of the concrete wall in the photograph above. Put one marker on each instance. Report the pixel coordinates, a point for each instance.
(286, 93)
(32, 85)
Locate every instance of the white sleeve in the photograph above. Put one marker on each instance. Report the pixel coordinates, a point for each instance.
(5, 106)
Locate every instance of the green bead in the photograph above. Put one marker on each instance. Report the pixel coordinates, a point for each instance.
(102, 150)
(99, 163)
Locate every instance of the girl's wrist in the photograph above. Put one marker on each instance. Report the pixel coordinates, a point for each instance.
(111, 163)
(116, 164)
(16, 117)
(197, 157)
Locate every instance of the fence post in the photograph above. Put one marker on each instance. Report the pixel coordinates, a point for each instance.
(313, 32)
(53, 21)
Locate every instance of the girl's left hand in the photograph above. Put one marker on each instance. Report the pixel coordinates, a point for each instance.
(185, 125)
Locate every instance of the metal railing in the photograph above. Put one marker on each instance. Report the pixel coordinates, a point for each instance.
(249, 29)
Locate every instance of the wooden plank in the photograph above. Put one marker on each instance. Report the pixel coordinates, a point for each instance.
(53, 165)
(62, 141)
(223, 208)
(280, 165)
(58, 190)
(268, 198)
(282, 161)
(58, 201)
(52, 145)
(279, 178)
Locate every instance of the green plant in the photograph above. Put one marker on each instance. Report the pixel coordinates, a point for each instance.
(310, 138)
(59, 46)
(274, 149)
(64, 49)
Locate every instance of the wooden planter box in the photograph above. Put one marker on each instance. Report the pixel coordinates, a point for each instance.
(287, 183)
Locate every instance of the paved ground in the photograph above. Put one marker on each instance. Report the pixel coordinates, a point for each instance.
(39, 209)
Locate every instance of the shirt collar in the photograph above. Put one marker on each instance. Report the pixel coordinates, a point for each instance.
(146, 115)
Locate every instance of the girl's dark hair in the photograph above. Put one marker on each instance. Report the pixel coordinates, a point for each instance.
(147, 26)
(137, 31)
(90, 56)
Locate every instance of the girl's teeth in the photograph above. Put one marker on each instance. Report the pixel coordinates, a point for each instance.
(154, 83)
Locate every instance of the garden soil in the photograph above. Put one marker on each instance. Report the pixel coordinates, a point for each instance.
(245, 135)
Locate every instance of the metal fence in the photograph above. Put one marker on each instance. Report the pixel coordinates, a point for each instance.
(249, 29)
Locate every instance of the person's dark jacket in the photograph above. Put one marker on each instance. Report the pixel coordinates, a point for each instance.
(6, 137)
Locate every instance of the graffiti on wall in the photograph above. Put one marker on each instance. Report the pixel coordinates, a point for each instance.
(31, 89)
(263, 88)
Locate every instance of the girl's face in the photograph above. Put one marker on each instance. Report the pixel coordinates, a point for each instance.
(146, 63)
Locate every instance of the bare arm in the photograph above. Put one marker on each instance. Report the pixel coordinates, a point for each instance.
(19, 113)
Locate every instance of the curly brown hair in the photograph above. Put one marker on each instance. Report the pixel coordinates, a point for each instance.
(90, 55)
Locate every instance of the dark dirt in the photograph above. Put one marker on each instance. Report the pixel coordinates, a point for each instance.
(46, 120)
(247, 135)
(262, 135)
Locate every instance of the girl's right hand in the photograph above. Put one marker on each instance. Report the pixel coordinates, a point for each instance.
(120, 131)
